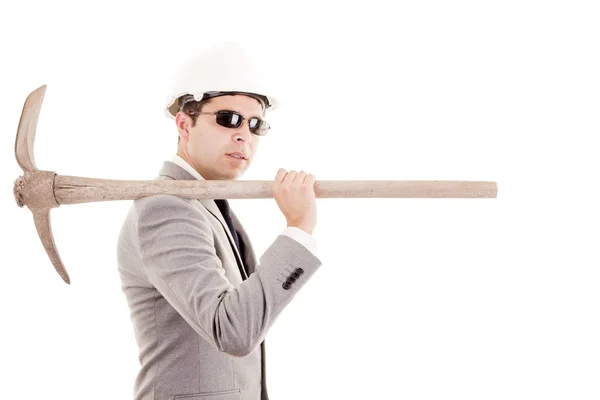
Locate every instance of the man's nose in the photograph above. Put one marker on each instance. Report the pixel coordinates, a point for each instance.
(244, 132)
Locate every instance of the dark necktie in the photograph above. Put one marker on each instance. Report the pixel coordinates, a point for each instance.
(223, 205)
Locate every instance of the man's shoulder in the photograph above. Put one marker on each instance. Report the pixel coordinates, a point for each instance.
(165, 205)
(166, 202)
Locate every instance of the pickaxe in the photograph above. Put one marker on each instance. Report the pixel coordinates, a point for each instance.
(42, 190)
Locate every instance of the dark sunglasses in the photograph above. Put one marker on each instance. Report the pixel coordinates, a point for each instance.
(232, 119)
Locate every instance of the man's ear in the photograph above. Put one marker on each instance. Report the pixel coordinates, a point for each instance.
(183, 122)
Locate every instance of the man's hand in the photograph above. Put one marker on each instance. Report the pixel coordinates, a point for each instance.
(295, 195)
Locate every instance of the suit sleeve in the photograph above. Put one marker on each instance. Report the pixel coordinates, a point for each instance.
(179, 258)
(302, 237)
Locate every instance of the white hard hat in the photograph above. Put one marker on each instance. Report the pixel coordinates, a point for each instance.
(221, 69)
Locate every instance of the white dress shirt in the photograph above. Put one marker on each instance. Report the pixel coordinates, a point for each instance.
(301, 236)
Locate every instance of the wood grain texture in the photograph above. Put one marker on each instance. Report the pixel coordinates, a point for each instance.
(73, 190)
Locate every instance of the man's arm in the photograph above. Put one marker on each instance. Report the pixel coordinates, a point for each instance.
(179, 258)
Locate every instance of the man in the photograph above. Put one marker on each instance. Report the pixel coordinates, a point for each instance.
(200, 303)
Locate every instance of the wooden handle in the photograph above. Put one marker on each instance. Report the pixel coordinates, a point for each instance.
(73, 189)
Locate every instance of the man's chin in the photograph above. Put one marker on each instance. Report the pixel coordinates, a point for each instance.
(232, 176)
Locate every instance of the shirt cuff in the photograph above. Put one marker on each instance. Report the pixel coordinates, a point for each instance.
(303, 237)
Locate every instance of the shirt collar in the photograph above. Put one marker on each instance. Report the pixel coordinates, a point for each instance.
(184, 164)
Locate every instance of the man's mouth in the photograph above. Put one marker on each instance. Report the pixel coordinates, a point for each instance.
(239, 156)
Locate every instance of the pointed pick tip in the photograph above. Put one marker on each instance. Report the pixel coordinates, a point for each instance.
(42, 88)
(26, 129)
(62, 272)
(58, 265)
(41, 218)
(40, 91)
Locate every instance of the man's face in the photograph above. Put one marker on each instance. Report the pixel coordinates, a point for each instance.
(206, 146)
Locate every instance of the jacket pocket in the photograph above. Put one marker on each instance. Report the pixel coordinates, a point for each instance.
(222, 395)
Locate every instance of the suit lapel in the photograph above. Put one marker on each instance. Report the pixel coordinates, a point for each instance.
(173, 171)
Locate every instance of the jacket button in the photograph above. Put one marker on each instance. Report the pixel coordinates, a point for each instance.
(291, 279)
(300, 271)
(296, 274)
(286, 285)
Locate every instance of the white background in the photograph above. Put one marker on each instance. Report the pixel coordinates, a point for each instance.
(416, 299)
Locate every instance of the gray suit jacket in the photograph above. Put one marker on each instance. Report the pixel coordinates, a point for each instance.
(200, 310)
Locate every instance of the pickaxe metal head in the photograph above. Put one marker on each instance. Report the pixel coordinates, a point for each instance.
(36, 188)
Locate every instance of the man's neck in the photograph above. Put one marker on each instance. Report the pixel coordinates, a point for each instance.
(180, 160)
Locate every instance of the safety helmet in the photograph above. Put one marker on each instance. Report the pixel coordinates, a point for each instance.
(222, 69)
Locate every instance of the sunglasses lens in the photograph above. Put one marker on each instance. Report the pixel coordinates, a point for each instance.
(259, 127)
(229, 119)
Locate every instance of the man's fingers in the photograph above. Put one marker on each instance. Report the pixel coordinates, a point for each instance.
(286, 178)
(310, 180)
(289, 178)
(300, 177)
(280, 175)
